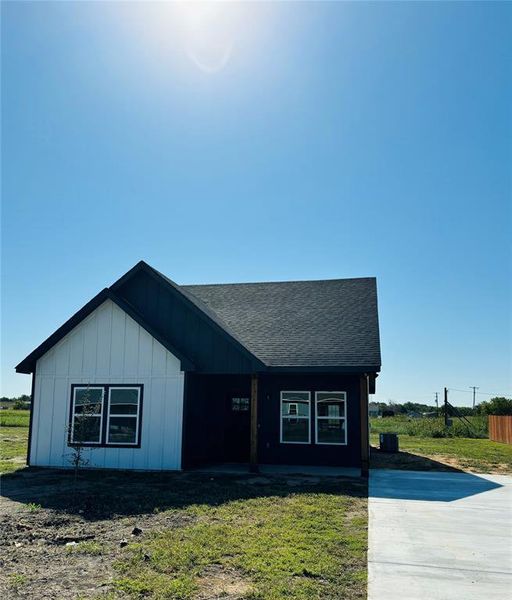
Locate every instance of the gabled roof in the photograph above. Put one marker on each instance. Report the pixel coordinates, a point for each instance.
(327, 323)
(293, 325)
(193, 302)
(27, 365)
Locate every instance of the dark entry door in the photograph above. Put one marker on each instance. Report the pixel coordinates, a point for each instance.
(237, 430)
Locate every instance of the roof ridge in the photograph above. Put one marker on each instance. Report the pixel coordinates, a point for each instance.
(189, 285)
(200, 305)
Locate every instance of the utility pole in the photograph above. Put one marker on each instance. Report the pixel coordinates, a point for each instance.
(446, 407)
(474, 388)
(437, 403)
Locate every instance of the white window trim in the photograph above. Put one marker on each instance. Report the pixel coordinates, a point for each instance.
(344, 418)
(100, 414)
(281, 416)
(131, 416)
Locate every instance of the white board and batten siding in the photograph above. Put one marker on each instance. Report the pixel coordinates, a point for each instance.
(109, 347)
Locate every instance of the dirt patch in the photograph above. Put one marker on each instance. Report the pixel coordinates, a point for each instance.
(54, 554)
(410, 462)
(60, 541)
(64, 555)
(434, 462)
(218, 582)
(464, 465)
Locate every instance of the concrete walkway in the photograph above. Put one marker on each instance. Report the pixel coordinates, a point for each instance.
(439, 536)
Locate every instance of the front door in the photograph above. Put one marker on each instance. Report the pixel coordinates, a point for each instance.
(238, 427)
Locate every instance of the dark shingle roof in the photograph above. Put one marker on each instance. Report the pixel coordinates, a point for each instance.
(329, 323)
(310, 324)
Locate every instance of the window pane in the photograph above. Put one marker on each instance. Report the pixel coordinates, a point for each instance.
(86, 429)
(294, 408)
(88, 400)
(331, 395)
(295, 430)
(331, 431)
(240, 404)
(296, 396)
(122, 430)
(124, 401)
(330, 408)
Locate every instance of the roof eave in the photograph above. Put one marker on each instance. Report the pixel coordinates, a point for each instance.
(27, 365)
(324, 369)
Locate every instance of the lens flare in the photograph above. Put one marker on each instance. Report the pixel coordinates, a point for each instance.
(209, 30)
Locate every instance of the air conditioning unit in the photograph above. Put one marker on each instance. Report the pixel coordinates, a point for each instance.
(388, 442)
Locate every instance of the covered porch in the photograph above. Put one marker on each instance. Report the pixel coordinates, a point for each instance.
(220, 411)
(239, 422)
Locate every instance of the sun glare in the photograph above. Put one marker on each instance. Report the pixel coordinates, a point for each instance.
(209, 31)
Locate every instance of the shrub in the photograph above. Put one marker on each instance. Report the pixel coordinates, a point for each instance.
(495, 406)
(434, 428)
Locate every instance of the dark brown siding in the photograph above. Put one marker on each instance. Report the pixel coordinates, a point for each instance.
(185, 326)
(205, 421)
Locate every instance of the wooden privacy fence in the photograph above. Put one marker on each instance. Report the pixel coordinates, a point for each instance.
(500, 429)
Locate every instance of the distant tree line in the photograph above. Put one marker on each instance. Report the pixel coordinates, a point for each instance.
(494, 406)
(17, 403)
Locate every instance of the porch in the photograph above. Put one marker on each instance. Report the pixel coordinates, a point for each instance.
(233, 422)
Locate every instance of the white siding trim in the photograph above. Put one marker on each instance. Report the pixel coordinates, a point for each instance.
(109, 347)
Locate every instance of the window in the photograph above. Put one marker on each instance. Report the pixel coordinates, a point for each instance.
(87, 415)
(331, 417)
(123, 415)
(295, 417)
(240, 404)
(106, 415)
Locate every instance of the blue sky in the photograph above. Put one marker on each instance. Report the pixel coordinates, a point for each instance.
(267, 142)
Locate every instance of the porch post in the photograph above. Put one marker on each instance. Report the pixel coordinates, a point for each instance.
(365, 425)
(254, 424)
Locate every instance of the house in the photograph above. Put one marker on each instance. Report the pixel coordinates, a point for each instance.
(169, 376)
(373, 409)
(414, 414)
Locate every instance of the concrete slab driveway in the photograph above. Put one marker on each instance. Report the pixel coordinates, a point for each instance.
(439, 536)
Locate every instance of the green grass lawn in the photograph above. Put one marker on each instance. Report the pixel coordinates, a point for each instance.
(13, 448)
(14, 418)
(302, 545)
(240, 537)
(13, 439)
(479, 455)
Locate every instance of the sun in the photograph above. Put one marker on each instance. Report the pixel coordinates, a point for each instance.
(209, 31)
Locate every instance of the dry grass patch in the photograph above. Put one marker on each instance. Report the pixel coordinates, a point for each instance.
(466, 454)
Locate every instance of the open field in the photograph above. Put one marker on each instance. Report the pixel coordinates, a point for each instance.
(13, 448)
(182, 535)
(431, 428)
(14, 418)
(420, 453)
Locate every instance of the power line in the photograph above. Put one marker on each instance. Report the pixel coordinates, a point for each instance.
(486, 393)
